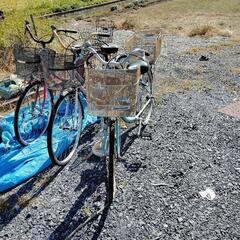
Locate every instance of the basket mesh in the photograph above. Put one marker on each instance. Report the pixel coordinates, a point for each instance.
(62, 80)
(111, 92)
(27, 61)
(105, 26)
(57, 61)
(151, 42)
(61, 71)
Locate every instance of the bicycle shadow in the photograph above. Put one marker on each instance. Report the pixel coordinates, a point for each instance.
(28, 192)
(14, 203)
(91, 181)
(127, 138)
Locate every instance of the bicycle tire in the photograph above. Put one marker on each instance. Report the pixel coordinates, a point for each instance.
(142, 100)
(63, 132)
(24, 137)
(111, 162)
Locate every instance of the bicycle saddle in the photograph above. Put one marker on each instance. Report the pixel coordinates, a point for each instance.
(109, 49)
(144, 66)
(102, 34)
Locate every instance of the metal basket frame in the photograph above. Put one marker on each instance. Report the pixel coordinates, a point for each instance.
(148, 41)
(112, 92)
(60, 70)
(105, 26)
(27, 60)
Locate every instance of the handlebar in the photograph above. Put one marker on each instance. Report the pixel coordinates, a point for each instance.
(54, 33)
(34, 38)
(63, 30)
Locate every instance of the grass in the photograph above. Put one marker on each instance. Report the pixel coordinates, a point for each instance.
(15, 11)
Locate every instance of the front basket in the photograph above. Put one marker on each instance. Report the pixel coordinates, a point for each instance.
(112, 92)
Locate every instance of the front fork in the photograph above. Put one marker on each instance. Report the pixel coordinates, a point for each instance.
(105, 124)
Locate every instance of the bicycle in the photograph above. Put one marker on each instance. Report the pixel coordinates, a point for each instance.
(116, 94)
(35, 103)
(113, 94)
(62, 155)
(65, 123)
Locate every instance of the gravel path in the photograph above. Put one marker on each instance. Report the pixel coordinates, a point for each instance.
(192, 148)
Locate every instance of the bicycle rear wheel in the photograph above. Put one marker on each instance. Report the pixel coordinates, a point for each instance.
(32, 113)
(144, 101)
(65, 128)
(144, 97)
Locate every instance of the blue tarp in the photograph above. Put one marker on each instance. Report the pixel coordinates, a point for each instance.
(18, 163)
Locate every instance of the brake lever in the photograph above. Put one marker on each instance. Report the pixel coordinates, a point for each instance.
(27, 23)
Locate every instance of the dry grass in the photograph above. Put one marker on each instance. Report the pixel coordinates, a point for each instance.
(208, 31)
(214, 47)
(166, 86)
(181, 16)
(235, 70)
(3, 205)
(127, 23)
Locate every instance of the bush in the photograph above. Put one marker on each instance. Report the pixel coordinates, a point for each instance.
(130, 5)
(114, 8)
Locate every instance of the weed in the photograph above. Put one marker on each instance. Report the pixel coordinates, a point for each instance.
(128, 23)
(235, 70)
(130, 5)
(86, 211)
(78, 18)
(3, 205)
(208, 31)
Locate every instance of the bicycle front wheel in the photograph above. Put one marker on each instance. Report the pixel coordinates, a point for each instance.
(111, 162)
(32, 113)
(65, 128)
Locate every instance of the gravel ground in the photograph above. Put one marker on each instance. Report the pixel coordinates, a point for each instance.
(192, 147)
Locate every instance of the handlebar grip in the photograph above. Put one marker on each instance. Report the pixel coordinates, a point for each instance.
(67, 31)
(147, 53)
(53, 27)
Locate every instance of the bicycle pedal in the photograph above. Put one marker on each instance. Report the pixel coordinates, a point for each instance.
(146, 135)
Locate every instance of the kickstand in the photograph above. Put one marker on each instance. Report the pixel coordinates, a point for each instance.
(140, 127)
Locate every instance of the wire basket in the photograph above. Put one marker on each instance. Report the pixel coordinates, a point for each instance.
(27, 61)
(104, 26)
(94, 39)
(61, 71)
(151, 42)
(58, 61)
(112, 92)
